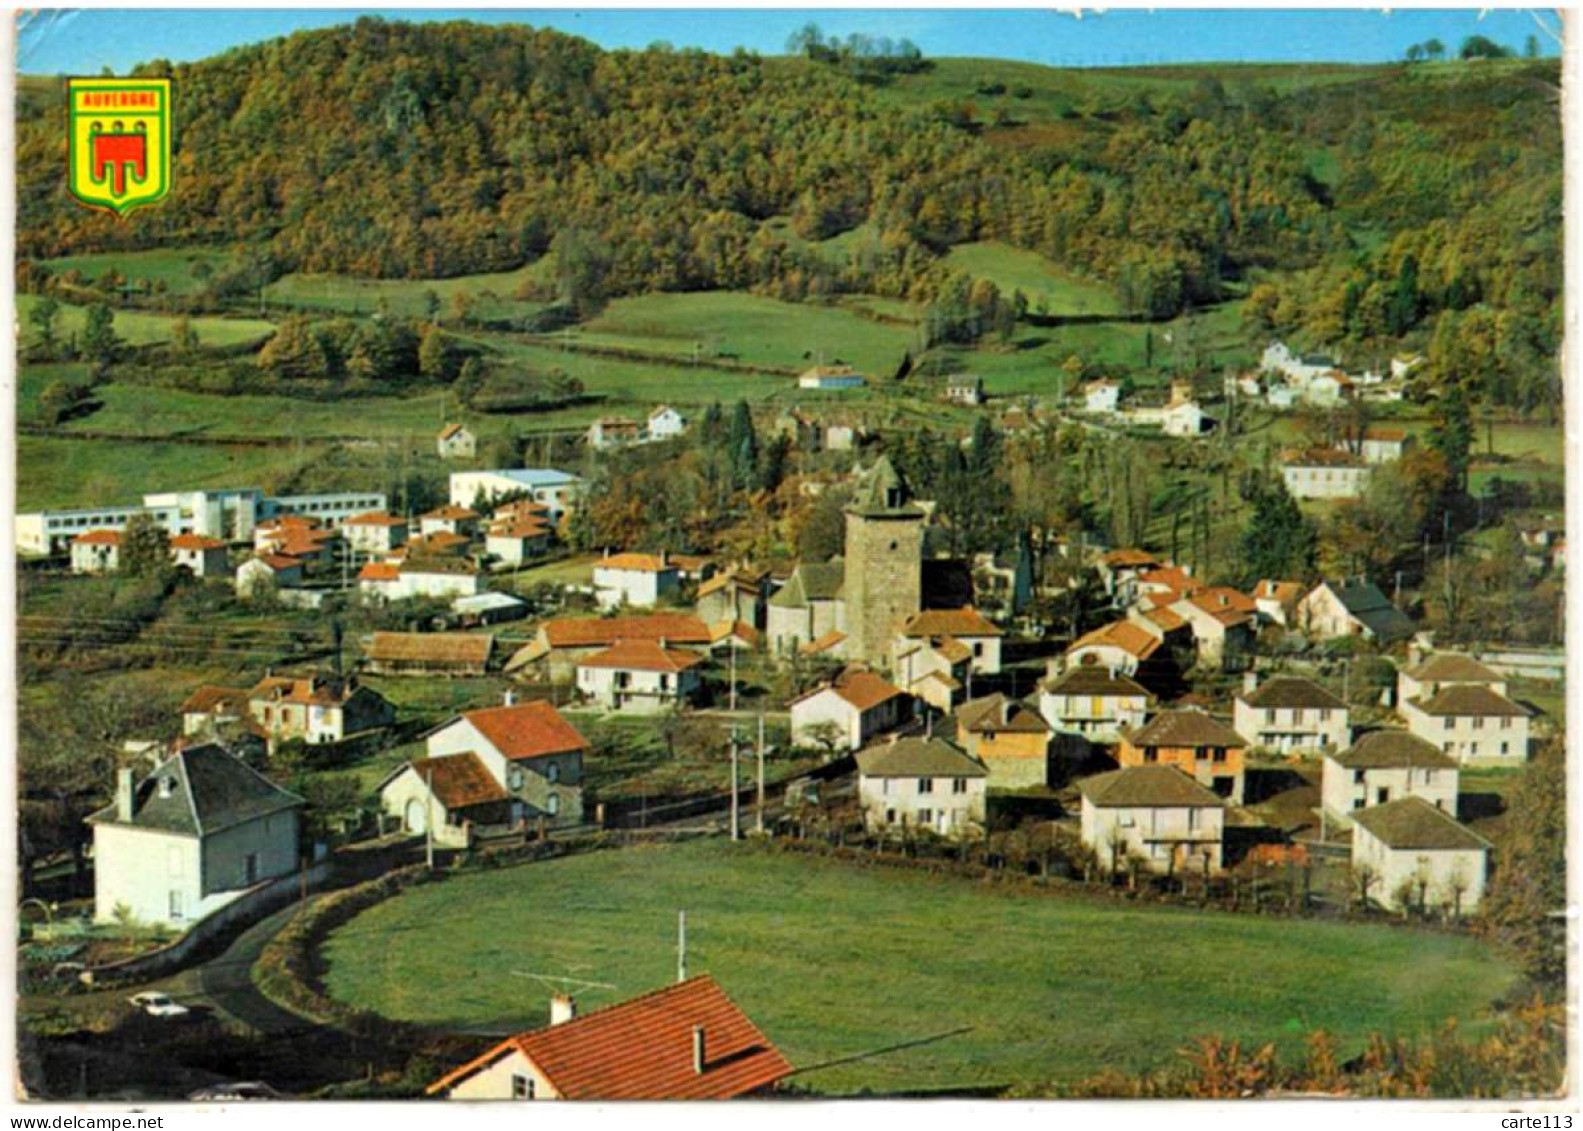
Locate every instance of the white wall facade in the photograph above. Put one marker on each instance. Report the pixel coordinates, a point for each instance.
(1345, 790)
(1116, 834)
(1473, 740)
(1445, 871)
(1292, 730)
(946, 806)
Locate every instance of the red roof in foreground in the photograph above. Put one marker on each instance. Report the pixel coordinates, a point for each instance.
(643, 1050)
(98, 538)
(527, 730)
(195, 542)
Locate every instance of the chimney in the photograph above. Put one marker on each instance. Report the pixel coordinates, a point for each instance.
(699, 1050)
(510, 698)
(665, 558)
(123, 794)
(607, 551)
(563, 1008)
(1250, 682)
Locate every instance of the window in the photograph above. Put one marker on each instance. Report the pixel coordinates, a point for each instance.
(1324, 714)
(1218, 754)
(552, 806)
(1382, 795)
(176, 912)
(1478, 722)
(250, 869)
(1151, 754)
(1506, 722)
(1357, 803)
(890, 816)
(959, 785)
(925, 816)
(521, 1086)
(885, 786)
(1358, 777)
(1506, 748)
(978, 648)
(515, 777)
(1269, 716)
(925, 785)
(553, 772)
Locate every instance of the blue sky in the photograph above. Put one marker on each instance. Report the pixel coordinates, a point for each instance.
(83, 41)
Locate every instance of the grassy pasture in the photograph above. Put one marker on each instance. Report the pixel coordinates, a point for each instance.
(492, 293)
(833, 961)
(138, 327)
(173, 267)
(1012, 269)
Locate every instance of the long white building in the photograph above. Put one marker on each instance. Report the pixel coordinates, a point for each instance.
(554, 489)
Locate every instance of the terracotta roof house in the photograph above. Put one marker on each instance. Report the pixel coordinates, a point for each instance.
(375, 532)
(688, 1041)
(638, 580)
(1118, 646)
(1191, 740)
(268, 572)
(1155, 816)
(967, 625)
(1010, 738)
(96, 551)
(560, 643)
(446, 795)
(455, 442)
(204, 557)
(639, 676)
(1276, 601)
(848, 712)
(429, 653)
(528, 748)
(921, 783)
(317, 709)
(1416, 854)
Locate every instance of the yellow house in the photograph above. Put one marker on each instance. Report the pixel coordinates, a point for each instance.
(1009, 738)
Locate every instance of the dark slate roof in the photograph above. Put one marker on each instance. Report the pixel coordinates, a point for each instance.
(1450, 667)
(811, 581)
(918, 758)
(1153, 786)
(1094, 680)
(1291, 691)
(1394, 749)
(1364, 600)
(1470, 699)
(874, 491)
(209, 790)
(996, 713)
(1187, 727)
(1413, 823)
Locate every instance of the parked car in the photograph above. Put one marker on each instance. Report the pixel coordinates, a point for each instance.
(235, 1092)
(156, 1004)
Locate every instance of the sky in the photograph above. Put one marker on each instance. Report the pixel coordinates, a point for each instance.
(84, 41)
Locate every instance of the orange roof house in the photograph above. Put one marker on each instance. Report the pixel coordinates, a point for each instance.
(642, 655)
(1193, 741)
(688, 1041)
(855, 706)
(98, 538)
(526, 730)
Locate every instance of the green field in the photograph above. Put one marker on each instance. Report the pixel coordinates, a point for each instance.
(137, 327)
(405, 298)
(749, 329)
(1049, 289)
(833, 960)
(173, 267)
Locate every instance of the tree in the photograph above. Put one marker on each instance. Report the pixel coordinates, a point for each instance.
(43, 316)
(145, 547)
(1434, 49)
(1279, 540)
(1451, 435)
(742, 447)
(1415, 53)
(294, 352)
(431, 305)
(1526, 899)
(434, 354)
(182, 335)
(1482, 47)
(99, 340)
(1531, 47)
(60, 400)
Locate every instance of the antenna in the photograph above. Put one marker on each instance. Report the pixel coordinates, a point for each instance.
(576, 983)
(681, 946)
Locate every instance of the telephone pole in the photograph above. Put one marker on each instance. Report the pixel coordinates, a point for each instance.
(760, 821)
(681, 946)
(736, 794)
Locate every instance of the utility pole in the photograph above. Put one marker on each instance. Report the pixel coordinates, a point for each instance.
(732, 646)
(760, 822)
(428, 822)
(736, 797)
(681, 946)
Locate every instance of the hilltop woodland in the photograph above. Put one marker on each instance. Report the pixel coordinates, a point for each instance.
(1401, 206)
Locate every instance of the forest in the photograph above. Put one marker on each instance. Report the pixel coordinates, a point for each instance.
(1412, 204)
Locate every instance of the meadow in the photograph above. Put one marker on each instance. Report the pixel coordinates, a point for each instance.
(139, 327)
(834, 961)
(493, 294)
(1048, 288)
(172, 267)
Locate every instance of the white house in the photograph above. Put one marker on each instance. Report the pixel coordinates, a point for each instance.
(1473, 724)
(1384, 766)
(639, 581)
(1154, 815)
(1379, 444)
(1276, 601)
(518, 539)
(1119, 646)
(1102, 397)
(1351, 608)
(1322, 473)
(614, 432)
(981, 635)
(640, 677)
(456, 442)
(447, 578)
(96, 551)
(1328, 388)
(452, 519)
(266, 572)
(205, 557)
(1414, 854)
(922, 784)
(1445, 669)
(665, 423)
(1403, 364)
(846, 713)
(556, 490)
(528, 748)
(1299, 370)
(192, 836)
(447, 795)
(965, 389)
(1095, 702)
(375, 533)
(1288, 714)
(934, 668)
(1185, 418)
(316, 709)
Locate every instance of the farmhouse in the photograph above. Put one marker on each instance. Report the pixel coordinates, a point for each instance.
(923, 784)
(808, 607)
(1222, 621)
(688, 1041)
(1290, 714)
(1010, 739)
(375, 533)
(1322, 473)
(965, 389)
(1379, 444)
(516, 540)
(530, 749)
(1445, 669)
(1384, 766)
(210, 709)
(96, 551)
(456, 442)
(934, 668)
(268, 573)
(556, 490)
(1190, 740)
(316, 709)
(1119, 571)
(204, 557)
(640, 677)
(846, 713)
(612, 432)
(192, 836)
(1102, 397)
(451, 519)
(967, 625)
(1119, 646)
(738, 594)
(1352, 608)
(561, 643)
(1472, 723)
(1276, 601)
(447, 795)
(637, 580)
(428, 653)
(1416, 854)
(665, 423)
(1096, 702)
(1156, 816)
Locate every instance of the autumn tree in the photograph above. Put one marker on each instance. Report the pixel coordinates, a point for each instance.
(1525, 902)
(294, 352)
(145, 547)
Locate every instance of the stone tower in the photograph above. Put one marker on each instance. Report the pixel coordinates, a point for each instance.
(884, 563)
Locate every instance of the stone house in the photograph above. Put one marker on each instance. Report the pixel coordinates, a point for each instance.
(1223, 622)
(1419, 855)
(737, 594)
(1120, 646)
(1102, 397)
(1119, 571)
(965, 389)
(640, 677)
(613, 432)
(456, 442)
(529, 749)
(192, 836)
(204, 557)
(807, 607)
(1190, 740)
(1384, 766)
(1155, 815)
(1276, 601)
(1472, 723)
(1288, 715)
(847, 712)
(1010, 739)
(447, 795)
(921, 784)
(688, 1041)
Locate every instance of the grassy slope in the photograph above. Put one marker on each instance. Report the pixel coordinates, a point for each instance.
(173, 267)
(492, 293)
(1045, 284)
(137, 327)
(833, 961)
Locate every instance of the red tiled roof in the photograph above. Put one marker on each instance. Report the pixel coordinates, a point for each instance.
(828, 642)
(526, 730)
(279, 562)
(641, 563)
(289, 521)
(1130, 638)
(597, 632)
(643, 1050)
(452, 512)
(1130, 558)
(459, 780)
(965, 621)
(642, 656)
(439, 540)
(1284, 592)
(379, 571)
(98, 538)
(1226, 605)
(449, 430)
(375, 518)
(862, 689)
(739, 630)
(195, 542)
(208, 698)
